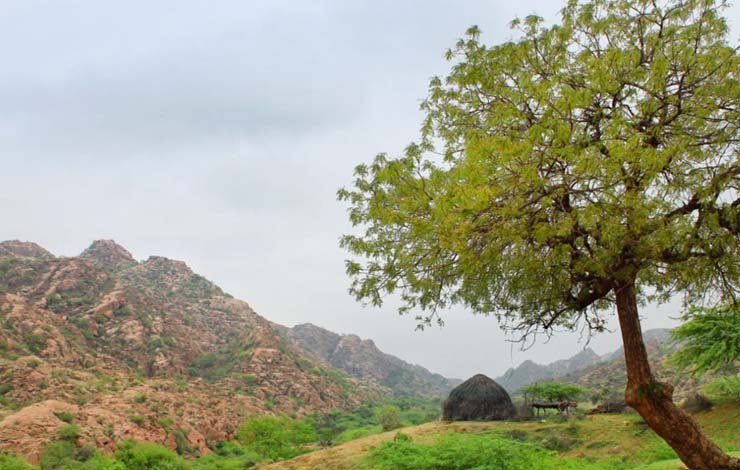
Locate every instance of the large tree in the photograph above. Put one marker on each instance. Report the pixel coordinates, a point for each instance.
(586, 165)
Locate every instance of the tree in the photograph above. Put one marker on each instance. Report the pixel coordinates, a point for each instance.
(553, 391)
(388, 417)
(586, 165)
(709, 339)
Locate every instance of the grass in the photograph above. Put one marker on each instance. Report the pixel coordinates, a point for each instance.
(619, 442)
(672, 464)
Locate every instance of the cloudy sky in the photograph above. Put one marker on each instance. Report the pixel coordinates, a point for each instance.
(219, 132)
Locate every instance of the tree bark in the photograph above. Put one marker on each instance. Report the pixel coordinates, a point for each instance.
(654, 400)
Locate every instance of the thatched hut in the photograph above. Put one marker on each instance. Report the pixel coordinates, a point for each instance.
(478, 399)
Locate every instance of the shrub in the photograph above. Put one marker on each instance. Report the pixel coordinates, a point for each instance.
(140, 398)
(181, 443)
(5, 388)
(9, 462)
(724, 389)
(68, 432)
(148, 456)
(35, 342)
(65, 416)
(275, 438)
(388, 418)
(58, 455)
(465, 451)
(136, 419)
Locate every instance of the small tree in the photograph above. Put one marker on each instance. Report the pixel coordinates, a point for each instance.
(388, 417)
(709, 340)
(586, 165)
(554, 391)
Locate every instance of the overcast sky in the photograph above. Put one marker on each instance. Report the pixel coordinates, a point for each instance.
(217, 132)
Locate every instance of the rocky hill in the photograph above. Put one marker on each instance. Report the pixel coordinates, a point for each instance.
(529, 372)
(605, 375)
(147, 350)
(363, 360)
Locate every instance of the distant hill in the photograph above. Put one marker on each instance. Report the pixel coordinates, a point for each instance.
(529, 372)
(146, 350)
(604, 374)
(363, 360)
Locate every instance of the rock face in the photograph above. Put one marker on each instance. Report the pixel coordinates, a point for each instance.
(478, 399)
(363, 360)
(142, 350)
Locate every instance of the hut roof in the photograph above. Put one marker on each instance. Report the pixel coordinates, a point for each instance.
(478, 399)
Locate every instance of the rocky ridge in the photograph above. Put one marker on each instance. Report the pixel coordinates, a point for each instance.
(146, 350)
(362, 359)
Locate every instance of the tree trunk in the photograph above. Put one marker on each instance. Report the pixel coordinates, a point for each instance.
(654, 400)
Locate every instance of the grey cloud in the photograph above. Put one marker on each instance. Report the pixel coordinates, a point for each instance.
(218, 133)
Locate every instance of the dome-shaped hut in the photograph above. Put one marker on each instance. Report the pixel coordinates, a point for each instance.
(478, 399)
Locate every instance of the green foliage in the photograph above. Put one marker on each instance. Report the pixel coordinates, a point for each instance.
(63, 455)
(35, 342)
(553, 391)
(9, 462)
(136, 419)
(68, 432)
(343, 426)
(181, 443)
(724, 389)
(579, 157)
(146, 456)
(227, 456)
(480, 451)
(709, 339)
(5, 388)
(209, 366)
(140, 398)
(388, 417)
(275, 438)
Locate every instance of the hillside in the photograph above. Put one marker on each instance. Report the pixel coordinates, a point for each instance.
(604, 375)
(615, 442)
(148, 350)
(529, 372)
(363, 360)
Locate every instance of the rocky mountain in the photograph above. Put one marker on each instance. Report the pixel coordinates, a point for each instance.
(146, 350)
(529, 372)
(605, 375)
(363, 360)
(608, 377)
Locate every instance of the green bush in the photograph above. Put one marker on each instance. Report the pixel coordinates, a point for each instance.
(65, 416)
(275, 438)
(450, 451)
(136, 419)
(388, 418)
(148, 456)
(58, 455)
(227, 456)
(140, 398)
(68, 432)
(5, 388)
(553, 391)
(724, 389)
(9, 462)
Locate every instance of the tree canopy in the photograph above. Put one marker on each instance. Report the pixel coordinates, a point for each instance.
(583, 165)
(709, 339)
(556, 166)
(553, 391)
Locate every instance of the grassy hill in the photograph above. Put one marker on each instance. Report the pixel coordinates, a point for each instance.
(591, 442)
